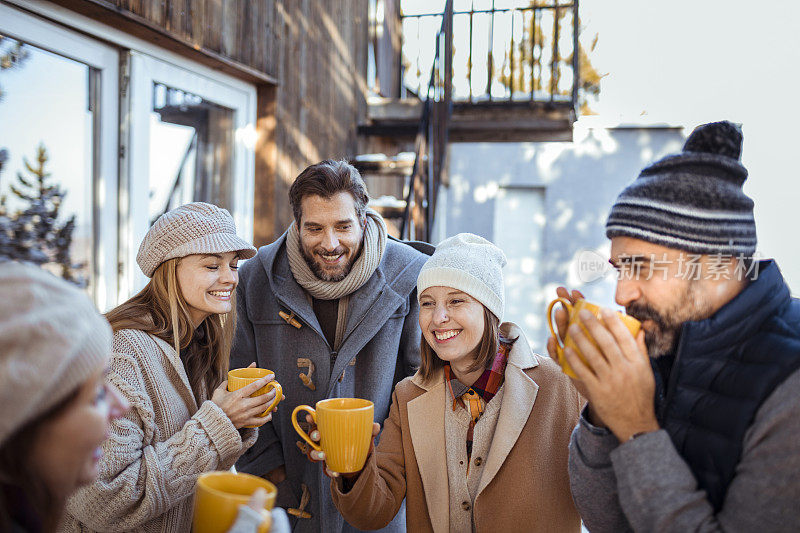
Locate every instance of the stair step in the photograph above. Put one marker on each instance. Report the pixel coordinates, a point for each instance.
(388, 206)
(382, 165)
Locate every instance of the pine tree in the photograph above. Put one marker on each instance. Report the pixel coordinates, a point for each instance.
(34, 233)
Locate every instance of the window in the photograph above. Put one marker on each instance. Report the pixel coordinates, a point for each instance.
(58, 126)
(191, 139)
(186, 133)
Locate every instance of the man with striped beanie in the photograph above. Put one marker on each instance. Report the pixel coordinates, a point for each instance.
(692, 425)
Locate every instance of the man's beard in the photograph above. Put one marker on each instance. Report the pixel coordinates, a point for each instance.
(324, 275)
(662, 339)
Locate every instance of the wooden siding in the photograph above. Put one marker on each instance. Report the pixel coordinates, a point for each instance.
(314, 50)
(321, 68)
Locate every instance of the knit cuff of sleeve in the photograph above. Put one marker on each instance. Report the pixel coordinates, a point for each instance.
(249, 437)
(647, 447)
(220, 429)
(594, 444)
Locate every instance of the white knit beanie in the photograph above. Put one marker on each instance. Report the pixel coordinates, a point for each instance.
(52, 339)
(468, 263)
(195, 228)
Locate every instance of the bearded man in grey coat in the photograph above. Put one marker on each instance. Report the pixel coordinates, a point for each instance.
(330, 307)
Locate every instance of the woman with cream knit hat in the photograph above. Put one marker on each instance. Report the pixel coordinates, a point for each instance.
(171, 348)
(477, 439)
(55, 403)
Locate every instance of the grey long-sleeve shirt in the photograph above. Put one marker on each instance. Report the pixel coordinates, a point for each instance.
(645, 485)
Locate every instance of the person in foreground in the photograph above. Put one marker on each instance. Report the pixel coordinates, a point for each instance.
(55, 402)
(694, 424)
(171, 348)
(477, 439)
(330, 307)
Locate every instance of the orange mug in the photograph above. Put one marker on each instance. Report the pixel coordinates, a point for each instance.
(631, 323)
(345, 429)
(241, 377)
(218, 496)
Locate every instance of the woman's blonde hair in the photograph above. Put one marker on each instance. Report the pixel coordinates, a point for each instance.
(161, 310)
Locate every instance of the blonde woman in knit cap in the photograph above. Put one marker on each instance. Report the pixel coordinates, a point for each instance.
(477, 439)
(55, 403)
(171, 348)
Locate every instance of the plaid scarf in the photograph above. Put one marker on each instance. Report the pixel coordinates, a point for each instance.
(474, 398)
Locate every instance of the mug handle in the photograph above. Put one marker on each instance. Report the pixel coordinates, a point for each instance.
(299, 431)
(566, 303)
(278, 396)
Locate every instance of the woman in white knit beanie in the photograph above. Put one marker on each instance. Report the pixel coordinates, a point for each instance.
(171, 350)
(55, 404)
(477, 439)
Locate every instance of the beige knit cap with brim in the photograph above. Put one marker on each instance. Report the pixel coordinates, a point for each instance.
(52, 339)
(195, 228)
(471, 264)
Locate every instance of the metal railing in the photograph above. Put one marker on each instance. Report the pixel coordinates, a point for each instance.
(430, 160)
(526, 52)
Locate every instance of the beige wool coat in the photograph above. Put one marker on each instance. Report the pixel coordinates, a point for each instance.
(154, 454)
(524, 485)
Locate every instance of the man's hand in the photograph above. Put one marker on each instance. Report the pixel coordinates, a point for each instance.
(562, 319)
(618, 382)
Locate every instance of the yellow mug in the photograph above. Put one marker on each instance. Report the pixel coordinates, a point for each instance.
(345, 429)
(241, 377)
(218, 496)
(631, 323)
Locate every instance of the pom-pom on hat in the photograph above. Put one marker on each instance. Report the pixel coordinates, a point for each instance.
(468, 263)
(692, 200)
(195, 228)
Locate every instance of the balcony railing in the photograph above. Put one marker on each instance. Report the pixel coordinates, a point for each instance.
(503, 50)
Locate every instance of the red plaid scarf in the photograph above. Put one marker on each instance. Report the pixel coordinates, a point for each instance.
(475, 398)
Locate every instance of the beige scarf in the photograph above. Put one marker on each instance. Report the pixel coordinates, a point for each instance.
(363, 268)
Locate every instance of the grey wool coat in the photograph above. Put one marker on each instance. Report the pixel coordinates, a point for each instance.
(379, 349)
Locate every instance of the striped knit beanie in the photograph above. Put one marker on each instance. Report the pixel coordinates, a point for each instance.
(692, 200)
(195, 228)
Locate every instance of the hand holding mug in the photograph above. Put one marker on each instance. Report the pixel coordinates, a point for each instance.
(568, 318)
(562, 321)
(344, 429)
(254, 396)
(316, 456)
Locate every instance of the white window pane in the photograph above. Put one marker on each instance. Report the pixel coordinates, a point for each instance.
(48, 127)
(191, 151)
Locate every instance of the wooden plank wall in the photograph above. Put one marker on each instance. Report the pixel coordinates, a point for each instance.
(321, 96)
(244, 31)
(315, 49)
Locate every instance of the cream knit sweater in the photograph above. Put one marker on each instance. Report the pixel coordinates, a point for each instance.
(155, 453)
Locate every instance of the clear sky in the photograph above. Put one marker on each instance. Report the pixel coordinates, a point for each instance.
(691, 61)
(686, 62)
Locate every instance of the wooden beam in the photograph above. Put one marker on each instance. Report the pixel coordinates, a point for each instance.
(266, 171)
(489, 121)
(110, 14)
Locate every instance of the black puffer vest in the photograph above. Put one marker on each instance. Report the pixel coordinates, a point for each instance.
(724, 369)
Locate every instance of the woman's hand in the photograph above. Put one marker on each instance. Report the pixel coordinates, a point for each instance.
(240, 408)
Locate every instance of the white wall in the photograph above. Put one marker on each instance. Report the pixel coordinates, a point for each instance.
(579, 182)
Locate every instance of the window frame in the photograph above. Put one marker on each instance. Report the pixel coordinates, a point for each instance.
(123, 193)
(104, 60)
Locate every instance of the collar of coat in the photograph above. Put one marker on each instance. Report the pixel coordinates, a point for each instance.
(389, 288)
(427, 411)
